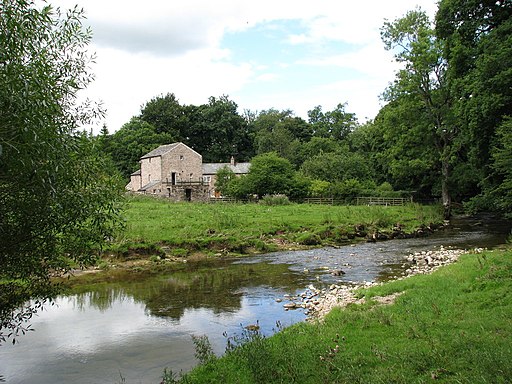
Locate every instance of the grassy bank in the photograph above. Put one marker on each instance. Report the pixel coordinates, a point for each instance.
(183, 228)
(453, 326)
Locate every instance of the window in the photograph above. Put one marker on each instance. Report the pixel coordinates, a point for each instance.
(207, 179)
(182, 157)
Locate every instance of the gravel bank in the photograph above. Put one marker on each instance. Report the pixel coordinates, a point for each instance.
(318, 302)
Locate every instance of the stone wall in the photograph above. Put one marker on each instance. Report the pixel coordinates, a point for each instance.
(150, 169)
(184, 162)
(135, 183)
(186, 192)
(175, 173)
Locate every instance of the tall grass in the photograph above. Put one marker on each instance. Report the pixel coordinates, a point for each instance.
(158, 221)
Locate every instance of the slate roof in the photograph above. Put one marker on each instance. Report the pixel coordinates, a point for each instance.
(238, 169)
(160, 150)
(150, 185)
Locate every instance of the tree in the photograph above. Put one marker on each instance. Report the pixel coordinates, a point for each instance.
(423, 79)
(218, 132)
(314, 147)
(478, 49)
(215, 129)
(280, 132)
(402, 151)
(337, 166)
(270, 174)
(502, 165)
(278, 140)
(166, 115)
(131, 142)
(58, 201)
(336, 124)
(223, 177)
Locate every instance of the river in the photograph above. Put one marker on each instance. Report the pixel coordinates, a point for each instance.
(129, 331)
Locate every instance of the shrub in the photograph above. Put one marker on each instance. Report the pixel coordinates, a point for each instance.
(319, 188)
(275, 200)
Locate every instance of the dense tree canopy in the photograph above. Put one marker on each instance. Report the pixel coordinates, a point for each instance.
(216, 129)
(134, 139)
(58, 198)
(219, 132)
(442, 133)
(423, 81)
(336, 124)
(478, 50)
(270, 174)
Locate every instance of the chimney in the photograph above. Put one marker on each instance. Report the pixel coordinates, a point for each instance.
(233, 160)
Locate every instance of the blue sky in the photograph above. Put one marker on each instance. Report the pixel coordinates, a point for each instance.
(284, 54)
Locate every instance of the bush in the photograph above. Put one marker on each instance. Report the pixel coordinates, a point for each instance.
(319, 188)
(347, 189)
(275, 200)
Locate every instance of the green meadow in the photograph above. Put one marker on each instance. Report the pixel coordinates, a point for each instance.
(243, 228)
(453, 326)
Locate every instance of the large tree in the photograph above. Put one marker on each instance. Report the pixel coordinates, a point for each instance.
(167, 115)
(423, 80)
(478, 50)
(58, 203)
(280, 132)
(337, 166)
(131, 142)
(336, 124)
(218, 131)
(270, 174)
(501, 193)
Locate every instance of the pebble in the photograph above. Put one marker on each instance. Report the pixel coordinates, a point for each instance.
(341, 295)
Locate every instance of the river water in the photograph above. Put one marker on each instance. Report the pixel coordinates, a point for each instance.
(130, 331)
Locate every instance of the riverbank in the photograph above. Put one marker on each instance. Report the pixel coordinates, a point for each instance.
(161, 234)
(237, 228)
(318, 303)
(451, 325)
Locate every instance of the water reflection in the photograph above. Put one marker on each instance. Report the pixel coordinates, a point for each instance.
(135, 327)
(220, 288)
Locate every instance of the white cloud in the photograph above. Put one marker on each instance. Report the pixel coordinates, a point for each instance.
(155, 47)
(125, 81)
(267, 77)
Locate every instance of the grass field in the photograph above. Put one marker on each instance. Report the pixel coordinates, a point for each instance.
(454, 326)
(242, 227)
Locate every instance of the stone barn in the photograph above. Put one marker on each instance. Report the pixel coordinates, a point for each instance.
(177, 172)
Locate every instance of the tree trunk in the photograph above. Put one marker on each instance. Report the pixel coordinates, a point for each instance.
(445, 193)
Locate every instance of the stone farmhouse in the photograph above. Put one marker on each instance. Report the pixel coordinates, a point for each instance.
(177, 172)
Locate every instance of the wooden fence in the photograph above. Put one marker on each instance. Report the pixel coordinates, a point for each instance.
(319, 200)
(227, 200)
(387, 201)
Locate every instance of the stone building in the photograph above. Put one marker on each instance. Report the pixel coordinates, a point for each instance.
(210, 172)
(177, 171)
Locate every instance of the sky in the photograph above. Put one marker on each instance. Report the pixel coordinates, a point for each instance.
(281, 54)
